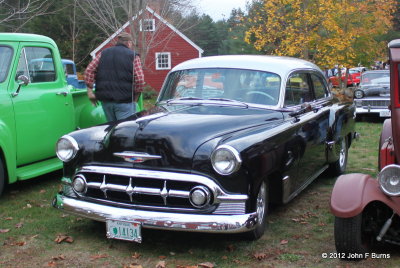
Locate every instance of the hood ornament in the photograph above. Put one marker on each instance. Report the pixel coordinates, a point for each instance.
(136, 157)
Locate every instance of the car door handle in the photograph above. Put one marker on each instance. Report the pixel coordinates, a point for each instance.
(64, 93)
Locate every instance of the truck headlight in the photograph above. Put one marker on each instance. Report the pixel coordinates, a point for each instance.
(225, 160)
(66, 148)
(358, 94)
(389, 180)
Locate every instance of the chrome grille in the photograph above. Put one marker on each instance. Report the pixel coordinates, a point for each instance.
(155, 190)
(375, 103)
(138, 191)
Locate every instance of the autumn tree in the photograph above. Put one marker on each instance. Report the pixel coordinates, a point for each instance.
(326, 32)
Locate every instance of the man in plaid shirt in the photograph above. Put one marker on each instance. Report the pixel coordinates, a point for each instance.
(118, 76)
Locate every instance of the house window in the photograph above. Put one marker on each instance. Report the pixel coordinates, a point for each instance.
(147, 25)
(163, 61)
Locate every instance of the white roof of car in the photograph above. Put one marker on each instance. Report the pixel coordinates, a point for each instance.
(276, 64)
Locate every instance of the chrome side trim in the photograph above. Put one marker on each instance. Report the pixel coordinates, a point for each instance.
(159, 220)
(219, 194)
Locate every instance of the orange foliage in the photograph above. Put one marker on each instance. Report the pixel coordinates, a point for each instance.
(327, 32)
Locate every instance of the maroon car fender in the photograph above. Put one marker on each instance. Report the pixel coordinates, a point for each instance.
(386, 146)
(353, 192)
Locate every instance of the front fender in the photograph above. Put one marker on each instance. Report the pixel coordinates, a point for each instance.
(8, 151)
(353, 192)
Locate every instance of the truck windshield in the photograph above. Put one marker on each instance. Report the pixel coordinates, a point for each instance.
(249, 86)
(5, 59)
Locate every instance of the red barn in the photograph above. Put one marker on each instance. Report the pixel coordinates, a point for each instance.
(160, 45)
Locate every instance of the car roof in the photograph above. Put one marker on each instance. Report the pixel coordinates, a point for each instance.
(394, 43)
(25, 37)
(376, 71)
(276, 64)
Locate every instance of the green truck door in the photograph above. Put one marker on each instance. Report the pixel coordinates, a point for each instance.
(43, 108)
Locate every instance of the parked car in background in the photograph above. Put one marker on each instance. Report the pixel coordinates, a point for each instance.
(353, 78)
(355, 74)
(218, 148)
(37, 106)
(367, 209)
(46, 64)
(373, 94)
(72, 75)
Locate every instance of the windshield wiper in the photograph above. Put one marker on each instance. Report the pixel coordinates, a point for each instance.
(183, 99)
(230, 100)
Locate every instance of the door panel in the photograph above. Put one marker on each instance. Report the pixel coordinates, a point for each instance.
(43, 108)
(312, 125)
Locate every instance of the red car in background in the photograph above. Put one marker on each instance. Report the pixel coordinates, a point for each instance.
(352, 80)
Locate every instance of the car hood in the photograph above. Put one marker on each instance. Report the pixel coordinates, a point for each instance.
(176, 135)
(376, 89)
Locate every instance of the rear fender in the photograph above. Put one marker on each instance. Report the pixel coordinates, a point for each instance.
(86, 115)
(353, 192)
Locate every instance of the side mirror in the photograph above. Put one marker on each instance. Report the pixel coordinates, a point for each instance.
(22, 80)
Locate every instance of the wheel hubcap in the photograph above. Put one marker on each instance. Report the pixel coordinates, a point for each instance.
(261, 203)
(342, 154)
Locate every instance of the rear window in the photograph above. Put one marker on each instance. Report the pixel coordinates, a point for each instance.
(5, 60)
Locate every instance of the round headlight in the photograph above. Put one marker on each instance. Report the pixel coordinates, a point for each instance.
(358, 94)
(389, 180)
(79, 184)
(66, 148)
(225, 160)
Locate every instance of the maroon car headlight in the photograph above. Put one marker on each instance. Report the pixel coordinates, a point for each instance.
(389, 180)
(225, 160)
(66, 148)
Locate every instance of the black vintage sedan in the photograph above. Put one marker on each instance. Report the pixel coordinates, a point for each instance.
(228, 136)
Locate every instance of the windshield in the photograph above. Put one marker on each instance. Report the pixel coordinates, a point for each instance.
(5, 59)
(354, 71)
(233, 84)
(375, 78)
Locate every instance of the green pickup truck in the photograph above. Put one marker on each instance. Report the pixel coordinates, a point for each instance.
(37, 107)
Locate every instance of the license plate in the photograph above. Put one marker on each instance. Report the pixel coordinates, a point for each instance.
(385, 113)
(124, 230)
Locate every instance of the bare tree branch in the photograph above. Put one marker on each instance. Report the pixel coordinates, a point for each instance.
(14, 15)
(111, 15)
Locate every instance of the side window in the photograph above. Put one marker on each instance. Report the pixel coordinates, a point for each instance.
(69, 69)
(319, 87)
(297, 90)
(37, 63)
(22, 68)
(5, 60)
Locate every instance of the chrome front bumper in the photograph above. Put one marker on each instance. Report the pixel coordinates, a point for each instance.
(158, 220)
(379, 111)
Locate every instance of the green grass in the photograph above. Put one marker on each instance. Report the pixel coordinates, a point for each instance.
(298, 233)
